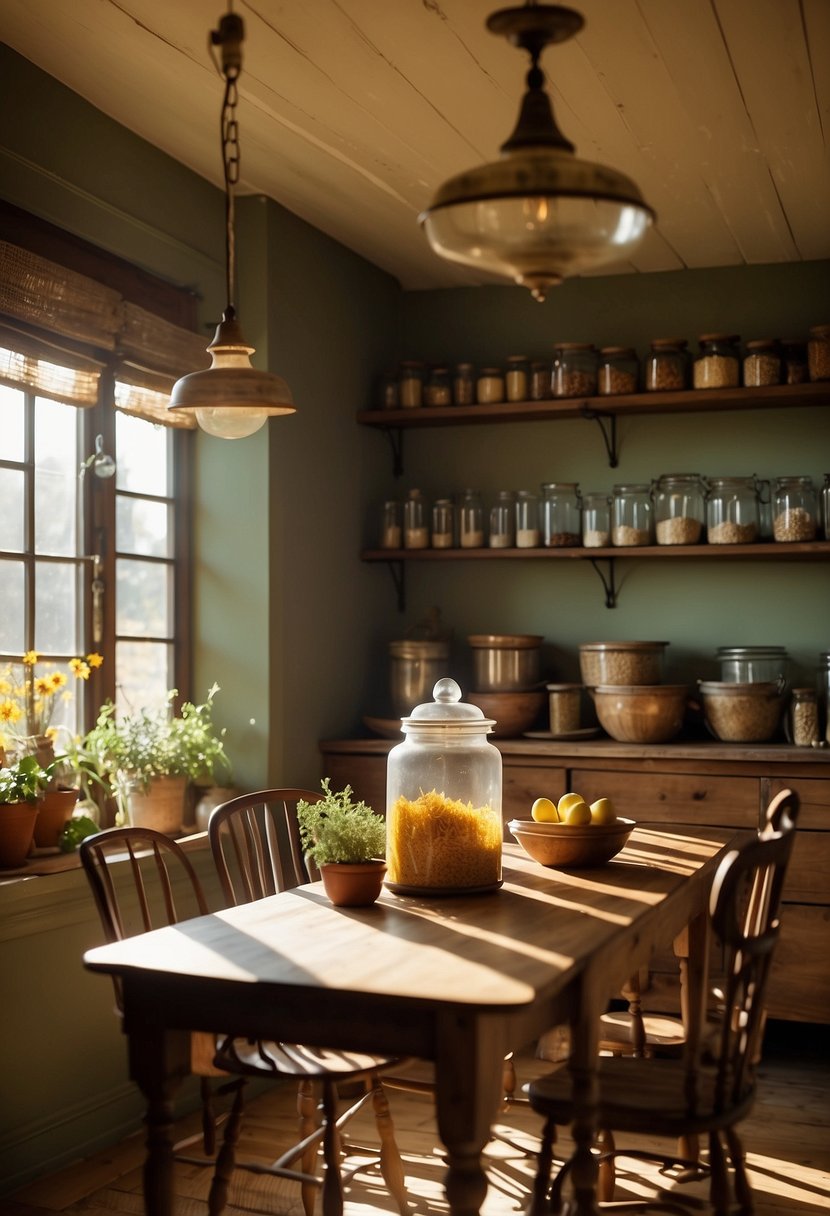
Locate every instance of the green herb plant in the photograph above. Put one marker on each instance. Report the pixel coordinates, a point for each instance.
(23, 781)
(338, 829)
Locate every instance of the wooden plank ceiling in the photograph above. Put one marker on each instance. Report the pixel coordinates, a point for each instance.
(352, 112)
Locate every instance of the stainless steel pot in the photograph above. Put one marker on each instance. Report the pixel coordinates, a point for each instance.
(505, 662)
(753, 664)
(414, 669)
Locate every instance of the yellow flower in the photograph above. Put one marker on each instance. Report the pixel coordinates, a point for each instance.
(43, 686)
(79, 668)
(30, 658)
(6, 687)
(94, 660)
(10, 712)
(57, 679)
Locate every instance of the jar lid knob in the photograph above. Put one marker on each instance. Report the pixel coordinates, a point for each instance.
(446, 691)
(447, 708)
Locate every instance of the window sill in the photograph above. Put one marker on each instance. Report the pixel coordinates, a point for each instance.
(44, 862)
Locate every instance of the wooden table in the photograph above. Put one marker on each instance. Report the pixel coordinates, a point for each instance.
(460, 981)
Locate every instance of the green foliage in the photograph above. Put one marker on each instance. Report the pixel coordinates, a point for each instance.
(338, 829)
(23, 781)
(76, 830)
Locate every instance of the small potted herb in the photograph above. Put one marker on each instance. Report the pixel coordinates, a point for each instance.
(347, 841)
(22, 785)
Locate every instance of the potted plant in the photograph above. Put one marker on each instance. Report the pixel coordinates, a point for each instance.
(29, 693)
(347, 841)
(21, 786)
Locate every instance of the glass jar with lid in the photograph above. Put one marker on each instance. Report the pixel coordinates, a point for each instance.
(443, 800)
(463, 384)
(666, 366)
(618, 371)
(732, 511)
(574, 370)
(596, 520)
(679, 512)
(631, 515)
(818, 352)
(490, 386)
(391, 532)
(528, 534)
(503, 521)
(443, 523)
(762, 362)
(471, 520)
(415, 525)
(438, 389)
(825, 506)
(718, 365)
(411, 376)
(794, 509)
(539, 380)
(561, 515)
(794, 368)
(516, 378)
(802, 724)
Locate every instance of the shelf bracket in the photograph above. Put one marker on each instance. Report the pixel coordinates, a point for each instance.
(609, 436)
(395, 436)
(608, 583)
(398, 571)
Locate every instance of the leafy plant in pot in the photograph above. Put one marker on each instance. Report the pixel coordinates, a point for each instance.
(347, 841)
(22, 784)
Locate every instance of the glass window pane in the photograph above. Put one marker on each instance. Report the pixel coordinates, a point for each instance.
(141, 450)
(144, 598)
(143, 675)
(11, 411)
(12, 490)
(12, 632)
(56, 477)
(56, 622)
(143, 527)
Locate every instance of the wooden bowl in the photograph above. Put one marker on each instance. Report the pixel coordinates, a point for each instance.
(568, 846)
(641, 713)
(512, 712)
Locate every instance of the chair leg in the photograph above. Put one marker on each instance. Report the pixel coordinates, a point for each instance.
(607, 1168)
(208, 1117)
(220, 1182)
(391, 1166)
(333, 1182)
(719, 1183)
(538, 1200)
(309, 1122)
(743, 1190)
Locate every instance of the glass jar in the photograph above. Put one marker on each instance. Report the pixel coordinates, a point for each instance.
(502, 521)
(618, 371)
(794, 368)
(666, 368)
(818, 352)
(516, 379)
(732, 511)
(719, 363)
(539, 380)
(387, 391)
(794, 509)
(762, 362)
(596, 521)
(415, 527)
(574, 370)
(823, 685)
(802, 718)
(443, 800)
(471, 520)
(463, 384)
(438, 390)
(825, 506)
(679, 512)
(391, 533)
(443, 523)
(631, 515)
(490, 386)
(561, 523)
(527, 520)
(411, 378)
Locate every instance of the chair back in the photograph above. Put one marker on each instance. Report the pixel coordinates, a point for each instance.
(255, 841)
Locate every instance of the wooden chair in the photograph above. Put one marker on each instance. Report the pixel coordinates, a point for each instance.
(700, 1094)
(255, 842)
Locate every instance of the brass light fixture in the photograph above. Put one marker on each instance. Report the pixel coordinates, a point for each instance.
(231, 399)
(538, 214)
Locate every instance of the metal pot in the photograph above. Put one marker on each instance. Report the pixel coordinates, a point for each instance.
(415, 668)
(505, 662)
(753, 664)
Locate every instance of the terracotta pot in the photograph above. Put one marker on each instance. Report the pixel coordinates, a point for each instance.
(353, 885)
(55, 810)
(161, 807)
(17, 829)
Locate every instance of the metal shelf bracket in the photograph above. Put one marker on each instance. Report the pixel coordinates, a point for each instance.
(395, 436)
(608, 583)
(609, 435)
(398, 571)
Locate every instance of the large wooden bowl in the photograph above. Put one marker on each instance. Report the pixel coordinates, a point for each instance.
(644, 713)
(513, 712)
(568, 846)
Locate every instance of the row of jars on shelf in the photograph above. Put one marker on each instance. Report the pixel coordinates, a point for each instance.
(675, 509)
(579, 369)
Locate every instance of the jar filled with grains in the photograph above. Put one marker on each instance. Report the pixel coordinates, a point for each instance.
(666, 366)
(443, 523)
(411, 384)
(732, 511)
(463, 384)
(794, 368)
(438, 389)
(516, 378)
(618, 371)
(718, 365)
(803, 723)
(679, 512)
(415, 527)
(387, 391)
(391, 532)
(539, 380)
(528, 534)
(825, 505)
(561, 523)
(503, 521)
(490, 386)
(596, 521)
(471, 520)
(818, 352)
(574, 370)
(762, 362)
(794, 509)
(631, 515)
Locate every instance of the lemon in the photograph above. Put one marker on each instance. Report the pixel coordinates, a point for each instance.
(567, 800)
(544, 811)
(602, 811)
(578, 813)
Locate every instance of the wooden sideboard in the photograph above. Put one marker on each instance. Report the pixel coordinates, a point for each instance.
(706, 784)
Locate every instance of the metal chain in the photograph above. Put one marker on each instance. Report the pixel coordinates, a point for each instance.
(230, 161)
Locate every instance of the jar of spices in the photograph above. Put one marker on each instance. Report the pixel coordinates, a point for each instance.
(516, 378)
(596, 521)
(679, 509)
(718, 364)
(502, 521)
(443, 523)
(666, 366)
(463, 384)
(825, 505)
(490, 386)
(794, 368)
(818, 352)
(732, 511)
(387, 391)
(794, 509)
(391, 533)
(762, 362)
(618, 371)
(437, 390)
(802, 719)
(561, 524)
(527, 520)
(415, 527)
(471, 520)
(411, 384)
(539, 380)
(574, 370)
(631, 515)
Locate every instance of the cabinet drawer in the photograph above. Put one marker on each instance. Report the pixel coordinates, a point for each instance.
(522, 784)
(799, 986)
(806, 881)
(813, 799)
(709, 801)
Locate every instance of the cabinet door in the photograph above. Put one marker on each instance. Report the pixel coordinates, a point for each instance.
(708, 800)
(522, 784)
(799, 983)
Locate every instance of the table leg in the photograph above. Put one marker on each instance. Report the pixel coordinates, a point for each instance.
(158, 1062)
(583, 1068)
(468, 1091)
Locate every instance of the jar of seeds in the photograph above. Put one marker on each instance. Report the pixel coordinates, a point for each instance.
(516, 378)
(528, 534)
(561, 524)
(679, 509)
(411, 378)
(443, 523)
(463, 384)
(794, 509)
(438, 389)
(574, 370)
(471, 520)
(415, 525)
(762, 362)
(490, 386)
(794, 368)
(631, 515)
(666, 366)
(802, 723)
(503, 521)
(818, 352)
(539, 380)
(391, 532)
(596, 521)
(718, 364)
(618, 371)
(732, 511)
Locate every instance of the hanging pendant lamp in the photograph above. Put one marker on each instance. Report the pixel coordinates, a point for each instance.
(231, 399)
(537, 215)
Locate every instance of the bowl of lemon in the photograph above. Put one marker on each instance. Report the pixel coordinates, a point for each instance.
(572, 833)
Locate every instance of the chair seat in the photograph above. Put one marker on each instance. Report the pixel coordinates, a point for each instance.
(243, 1057)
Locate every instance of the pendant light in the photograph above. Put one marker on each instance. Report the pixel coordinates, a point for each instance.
(231, 399)
(538, 214)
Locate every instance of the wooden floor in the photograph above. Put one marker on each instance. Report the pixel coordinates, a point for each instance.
(787, 1140)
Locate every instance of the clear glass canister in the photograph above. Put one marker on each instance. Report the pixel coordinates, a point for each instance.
(596, 520)
(631, 515)
(528, 534)
(438, 388)
(471, 520)
(539, 380)
(802, 718)
(443, 523)
(391, 532)
(666, 366)
(679, 511)
(818, 352)
(732, 511)
(415, 525)
(517, 378)
(503, 521)
(463, 384)
(443, 800)
(718, 364)
(825, 505)
(411, 378)
(618, 372)
(794, 368)
(574, 370)
(794, 509)
(490, 386)
(762, 362)
(387, 391)
(561, 515)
